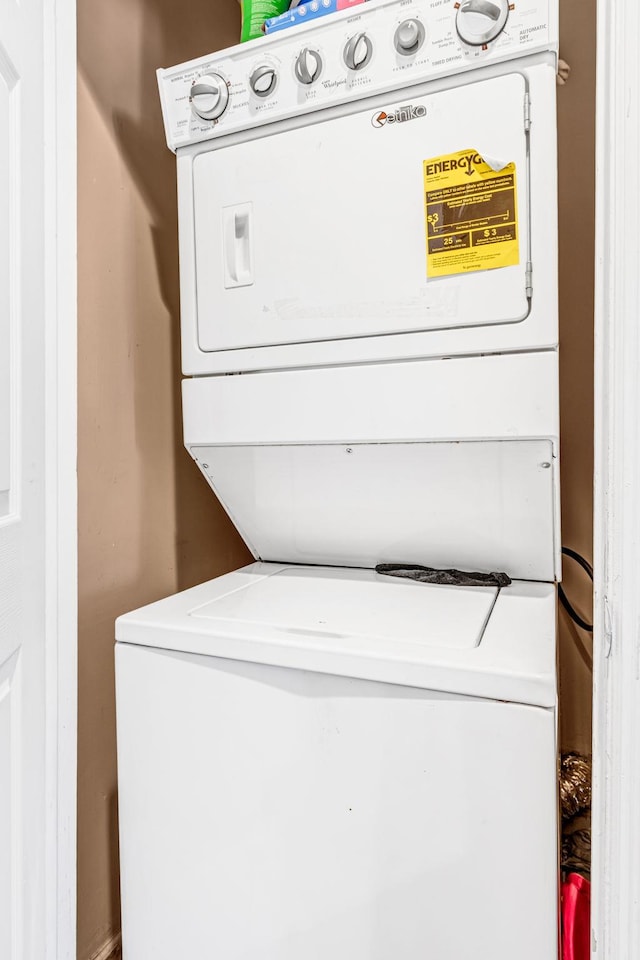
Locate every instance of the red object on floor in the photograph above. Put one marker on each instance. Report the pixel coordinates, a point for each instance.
(576, 918)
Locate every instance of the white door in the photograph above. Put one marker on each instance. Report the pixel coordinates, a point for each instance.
(30, 804)
(322, 233)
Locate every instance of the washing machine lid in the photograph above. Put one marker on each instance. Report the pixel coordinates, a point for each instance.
(478, 641)
(358, 606)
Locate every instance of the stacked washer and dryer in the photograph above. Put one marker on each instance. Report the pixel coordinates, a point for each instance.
(316, 760)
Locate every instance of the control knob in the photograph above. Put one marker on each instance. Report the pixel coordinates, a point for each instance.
(308, 66)
(478, 22)
(409, 37)
(263, 80)
(209, 96)
(357, 52)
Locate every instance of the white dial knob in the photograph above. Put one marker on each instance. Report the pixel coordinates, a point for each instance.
(480, 21)
(209, 96)
(263, 80)
(308, 66)
(357, 52)
(409, 37)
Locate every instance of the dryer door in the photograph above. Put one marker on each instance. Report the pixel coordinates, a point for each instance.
(322, 232)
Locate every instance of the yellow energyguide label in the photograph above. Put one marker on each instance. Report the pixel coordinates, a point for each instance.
(471, 214)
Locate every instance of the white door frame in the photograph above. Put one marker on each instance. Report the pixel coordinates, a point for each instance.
(616, 719)
(59, 117)
(616, 801)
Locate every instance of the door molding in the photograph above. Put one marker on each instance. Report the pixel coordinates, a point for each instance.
(60, 188)
(616, 718)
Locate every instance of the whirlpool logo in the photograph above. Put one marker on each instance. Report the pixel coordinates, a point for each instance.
(401, 115)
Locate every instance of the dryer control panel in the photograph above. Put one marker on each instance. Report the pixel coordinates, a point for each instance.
(378, 46)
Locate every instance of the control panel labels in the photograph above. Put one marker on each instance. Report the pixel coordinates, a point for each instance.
(471, 215)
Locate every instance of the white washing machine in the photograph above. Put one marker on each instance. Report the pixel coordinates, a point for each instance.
(323, 763)
(317, 760)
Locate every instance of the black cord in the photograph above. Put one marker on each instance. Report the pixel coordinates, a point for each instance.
(573, 613)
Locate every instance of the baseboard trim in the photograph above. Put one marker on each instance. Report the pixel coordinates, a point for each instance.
(111, 949)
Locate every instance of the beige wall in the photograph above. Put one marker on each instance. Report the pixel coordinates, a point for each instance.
(576, 129)
(148, 524)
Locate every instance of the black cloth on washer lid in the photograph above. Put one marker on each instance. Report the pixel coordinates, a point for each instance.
(449, 578)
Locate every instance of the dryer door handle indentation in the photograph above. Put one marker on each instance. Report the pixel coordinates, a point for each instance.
(237, 243)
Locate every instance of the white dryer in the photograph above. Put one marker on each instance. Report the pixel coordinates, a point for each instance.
(314, 215)
(315, 759)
